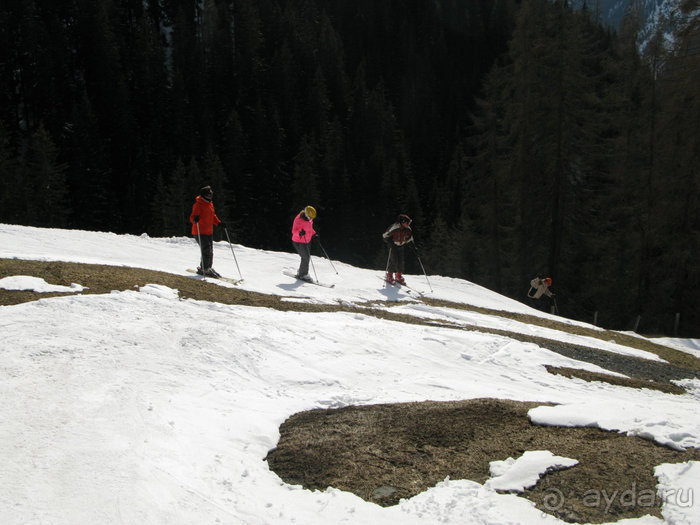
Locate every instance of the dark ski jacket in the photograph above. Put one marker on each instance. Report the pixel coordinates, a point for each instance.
(398, 233)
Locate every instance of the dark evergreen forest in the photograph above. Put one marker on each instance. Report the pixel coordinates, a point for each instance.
(523, 138)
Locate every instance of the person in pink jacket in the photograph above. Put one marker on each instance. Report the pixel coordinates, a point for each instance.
(302, 233)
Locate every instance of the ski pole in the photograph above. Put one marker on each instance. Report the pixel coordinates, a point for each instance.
(234, 253)
(388, 260)
(308, 247)
(329, 259)
(421, 264)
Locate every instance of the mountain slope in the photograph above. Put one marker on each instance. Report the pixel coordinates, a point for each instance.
(154, 397)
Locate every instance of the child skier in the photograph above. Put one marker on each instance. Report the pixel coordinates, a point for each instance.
(203, 219)
(397, 236)
(302, 233)
(539, 287)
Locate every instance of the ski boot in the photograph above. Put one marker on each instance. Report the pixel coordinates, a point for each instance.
(390, 277)
(211, 272)
(400, 279)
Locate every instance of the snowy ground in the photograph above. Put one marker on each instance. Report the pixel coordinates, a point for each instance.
(691, 346)
(136, 407)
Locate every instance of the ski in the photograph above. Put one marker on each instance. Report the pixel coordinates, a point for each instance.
(291, 273)
(411, 289)
(220, 278)
(404, 287)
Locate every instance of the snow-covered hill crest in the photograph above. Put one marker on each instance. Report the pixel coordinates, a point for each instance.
(137, 406)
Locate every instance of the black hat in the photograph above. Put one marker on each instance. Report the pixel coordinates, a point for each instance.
(206, 190)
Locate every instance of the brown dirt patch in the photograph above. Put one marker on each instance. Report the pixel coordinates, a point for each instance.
(383, 453)
(614, 380)
(101, 279)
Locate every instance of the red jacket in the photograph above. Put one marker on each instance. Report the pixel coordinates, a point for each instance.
(207, 217)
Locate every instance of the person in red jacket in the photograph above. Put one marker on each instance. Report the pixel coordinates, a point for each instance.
(302, 233)
(397, 236)
(203, 219)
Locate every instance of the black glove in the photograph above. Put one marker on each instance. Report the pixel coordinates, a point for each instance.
(317, 236)
(222, 224)
(302, 233)
(196, 219)
(387, 240)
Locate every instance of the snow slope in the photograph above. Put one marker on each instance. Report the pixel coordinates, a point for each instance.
(137, 407)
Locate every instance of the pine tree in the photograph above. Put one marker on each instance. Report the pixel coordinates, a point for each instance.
(675, 282)
(46, 183)
(10, 186)
(489, 206)
(305, 186)
(159, 216)
(170, 204)
(178, 201)
(93, 204)
(214, 175)
(442, 255)
(610, 235)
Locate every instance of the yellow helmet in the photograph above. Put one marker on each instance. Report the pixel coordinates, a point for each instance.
(310, 212)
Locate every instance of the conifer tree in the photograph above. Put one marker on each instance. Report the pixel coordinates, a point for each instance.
(170, 206)
(45, 191)
(178, 202)
(214, 175)
(159, 216)
(305, 185)
(489, 204)
(9, 186)
(675, 282)
(88, 172)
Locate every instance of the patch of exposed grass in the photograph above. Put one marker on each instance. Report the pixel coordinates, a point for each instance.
(387, 452)
(614, 380)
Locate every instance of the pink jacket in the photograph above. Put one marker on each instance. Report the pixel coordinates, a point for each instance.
(307, 225)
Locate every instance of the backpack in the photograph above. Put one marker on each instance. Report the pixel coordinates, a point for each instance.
(534, 284)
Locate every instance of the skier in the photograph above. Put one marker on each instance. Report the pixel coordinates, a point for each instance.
(539, 287)
(302, 233)
(203, 219)
(397, 236)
